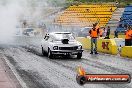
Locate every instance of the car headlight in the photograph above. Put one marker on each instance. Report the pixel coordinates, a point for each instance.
(55, 47)
(80, 47)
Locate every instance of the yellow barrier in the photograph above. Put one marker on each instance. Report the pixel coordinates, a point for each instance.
(104, 45)
(86, 42)
(107, 46)
(126, 51)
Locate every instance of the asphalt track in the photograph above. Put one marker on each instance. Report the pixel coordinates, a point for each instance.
(34, 70)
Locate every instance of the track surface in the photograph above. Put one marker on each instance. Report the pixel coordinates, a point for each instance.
(37, 71)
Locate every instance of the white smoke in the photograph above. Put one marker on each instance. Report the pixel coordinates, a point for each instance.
(12, 11)
(9, 13)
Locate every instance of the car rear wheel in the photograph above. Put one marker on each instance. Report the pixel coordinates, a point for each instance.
(50, 55)
(79, 55)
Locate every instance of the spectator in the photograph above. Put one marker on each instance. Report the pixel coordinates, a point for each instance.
(94, 35)
(117, 4)
(128, 37)
(131, 34)
(115, 34)
(87, 10)
(111, 10)
(108, 33)
(105, 31)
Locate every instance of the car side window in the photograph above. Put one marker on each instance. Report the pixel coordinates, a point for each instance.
(46, 38)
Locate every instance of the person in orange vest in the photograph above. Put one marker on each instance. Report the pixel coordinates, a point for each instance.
(94, 35)
(131, 34)
(128, 36)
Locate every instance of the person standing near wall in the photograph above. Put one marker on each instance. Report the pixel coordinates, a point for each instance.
(105, 31)
(115, 34)
(108, 33)
(94, 35)
(128, 37)
(131, 34)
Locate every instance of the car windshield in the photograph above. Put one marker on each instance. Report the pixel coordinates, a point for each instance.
(60, 36)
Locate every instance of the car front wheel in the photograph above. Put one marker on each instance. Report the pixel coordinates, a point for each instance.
(43, 52)
(50, 55)
(79, 55)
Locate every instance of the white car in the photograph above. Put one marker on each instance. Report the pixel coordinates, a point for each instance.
(61, 43)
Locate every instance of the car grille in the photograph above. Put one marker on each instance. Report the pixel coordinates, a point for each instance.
(68, 48)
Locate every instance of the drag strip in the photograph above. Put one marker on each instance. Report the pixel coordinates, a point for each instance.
(38, 71)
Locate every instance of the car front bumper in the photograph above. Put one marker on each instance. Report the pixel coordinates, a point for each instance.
(67, 52)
